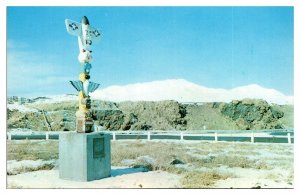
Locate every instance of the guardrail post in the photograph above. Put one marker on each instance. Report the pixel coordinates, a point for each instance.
(148, 136)
(114, 136)
(181, 136)
(47, 136)
(289, 138)
(252, 137)
(216, 136)
(9, 136)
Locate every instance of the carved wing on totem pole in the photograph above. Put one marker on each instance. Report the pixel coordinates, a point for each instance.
(93, 86)
(73, 28)
(85, 87)
(77, 85)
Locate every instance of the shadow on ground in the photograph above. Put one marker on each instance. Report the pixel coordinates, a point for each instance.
(122, 171)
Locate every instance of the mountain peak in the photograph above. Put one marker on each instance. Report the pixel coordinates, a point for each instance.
(182, 90)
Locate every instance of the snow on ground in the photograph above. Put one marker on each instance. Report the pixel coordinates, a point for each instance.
(122, 177)
(125, 177)
(24, 131)
(20, 131)
(57, 98)
(278, 175)
(249, 178)
(20, 108)
(15, 167)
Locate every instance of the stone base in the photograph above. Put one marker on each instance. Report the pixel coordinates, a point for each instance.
(84, 157)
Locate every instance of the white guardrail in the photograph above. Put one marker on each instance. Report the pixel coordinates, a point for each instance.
(215, 135)
(284, 136)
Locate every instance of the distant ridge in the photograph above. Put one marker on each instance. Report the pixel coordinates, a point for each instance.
(179, 90)
(184, 91)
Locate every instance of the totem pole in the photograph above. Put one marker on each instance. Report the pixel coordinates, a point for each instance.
(86, 35)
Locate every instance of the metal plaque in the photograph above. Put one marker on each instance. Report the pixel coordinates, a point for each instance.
(98, 147)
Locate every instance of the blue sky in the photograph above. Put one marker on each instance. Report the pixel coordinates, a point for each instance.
(219, 47)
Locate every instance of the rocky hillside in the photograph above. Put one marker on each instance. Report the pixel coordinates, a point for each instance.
(163, 115)
(160, 115)
(252, 114)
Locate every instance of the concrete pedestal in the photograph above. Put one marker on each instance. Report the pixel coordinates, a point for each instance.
(84, 156)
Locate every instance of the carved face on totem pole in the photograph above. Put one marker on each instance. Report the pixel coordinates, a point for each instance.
(85, 56)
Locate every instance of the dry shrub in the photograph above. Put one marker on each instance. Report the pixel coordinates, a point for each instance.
(32, 150)
(223, 160)
(159, 155)
(262, 165)
(232, 161)
(202, 179)
(162, 153)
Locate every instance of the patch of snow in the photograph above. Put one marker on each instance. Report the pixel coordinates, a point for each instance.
(20, 108)
(145, 159)
(24, 131)
(249, 178)
(128, 162)
(15, 167)
(57, 98)
(20, 131)
(187, 167)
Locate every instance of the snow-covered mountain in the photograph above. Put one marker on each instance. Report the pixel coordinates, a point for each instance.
(176, 89)
(185, 91)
